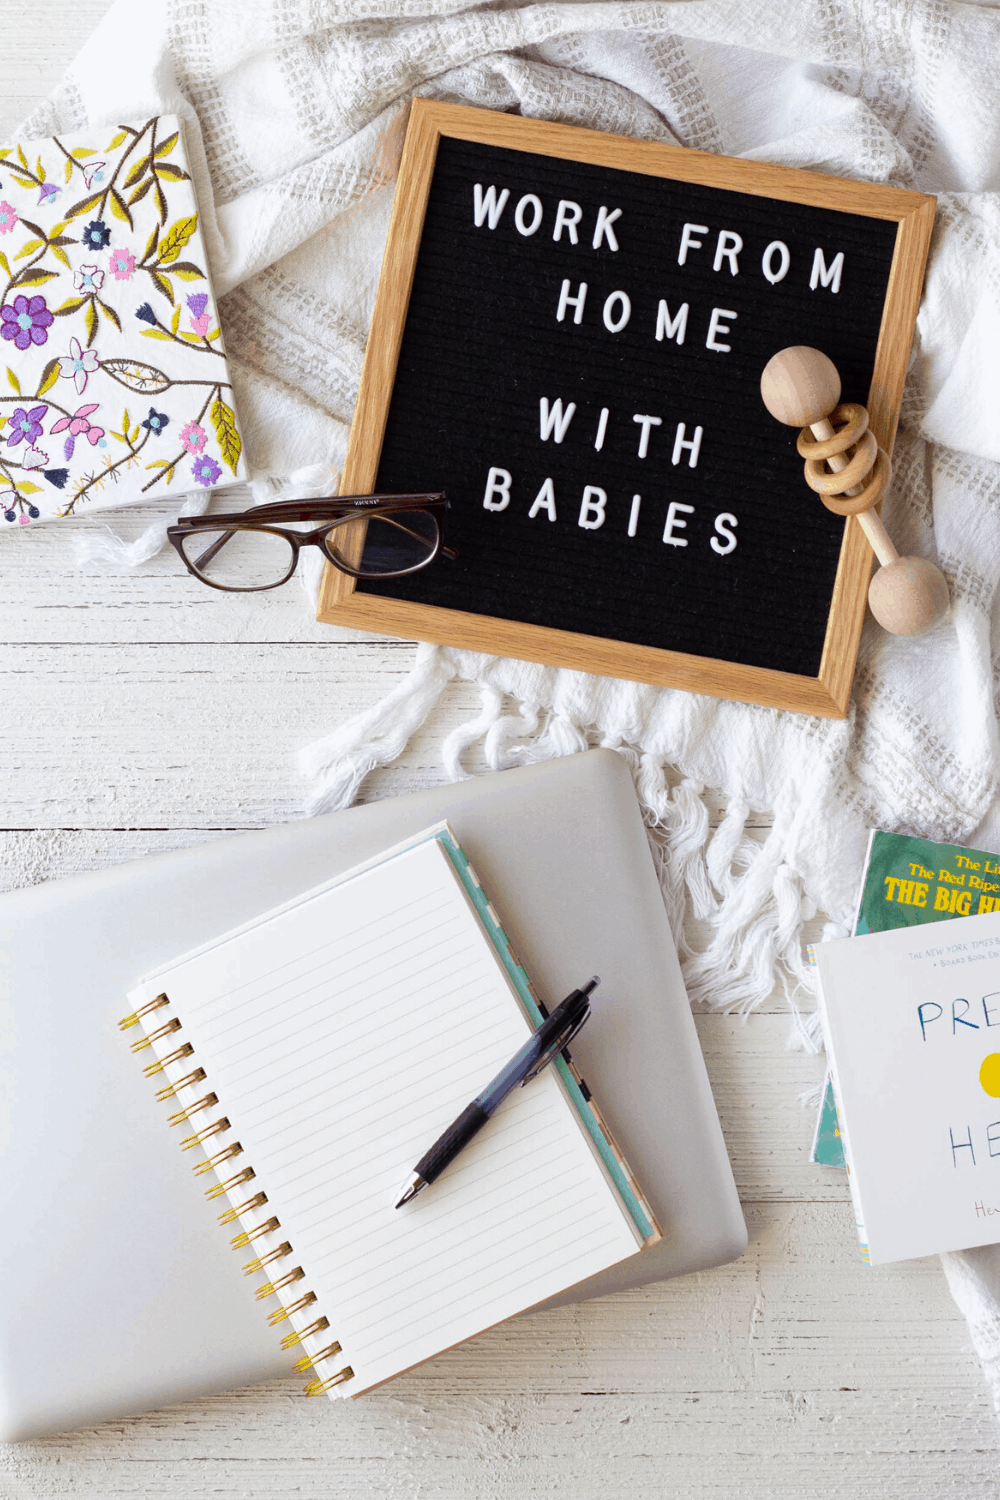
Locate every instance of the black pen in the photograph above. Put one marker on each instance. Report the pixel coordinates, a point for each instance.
(555, 1033)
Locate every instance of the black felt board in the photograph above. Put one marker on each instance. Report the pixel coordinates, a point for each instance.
(482, 346)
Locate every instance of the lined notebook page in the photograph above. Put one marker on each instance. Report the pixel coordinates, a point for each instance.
(342, 1036)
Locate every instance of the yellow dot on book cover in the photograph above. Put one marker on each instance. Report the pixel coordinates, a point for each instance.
(989, 1075)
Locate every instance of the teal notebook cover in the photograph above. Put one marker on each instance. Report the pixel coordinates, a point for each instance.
(575, 1087)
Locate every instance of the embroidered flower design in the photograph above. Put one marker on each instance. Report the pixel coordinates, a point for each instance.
(25, 321)
(34, 458)
(94, 173)
(88, 279)
(58, 477)
(206, 471)
(200, 320)
(146, 313)
(26, 426)
(122, 264)
(47, 192)
(96, 236)
(80, 426)
(77, 365)
(193, 438)
(8, 216)
(155, 422)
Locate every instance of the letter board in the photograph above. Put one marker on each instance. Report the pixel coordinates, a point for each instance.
(568, 339)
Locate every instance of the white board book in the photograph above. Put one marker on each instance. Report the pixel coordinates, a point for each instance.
(336, 1038)
(912, 1024)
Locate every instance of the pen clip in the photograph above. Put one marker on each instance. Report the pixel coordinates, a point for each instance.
(555, 1047)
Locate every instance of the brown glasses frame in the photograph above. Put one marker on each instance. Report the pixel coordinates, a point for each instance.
(329, 512)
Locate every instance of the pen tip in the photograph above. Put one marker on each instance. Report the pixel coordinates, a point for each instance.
(591, 984)
(413, 1186)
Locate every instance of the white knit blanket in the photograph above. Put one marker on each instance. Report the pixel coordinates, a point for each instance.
(297, 109)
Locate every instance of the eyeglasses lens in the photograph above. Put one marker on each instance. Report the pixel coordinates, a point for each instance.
(394, 544)
(240, 558)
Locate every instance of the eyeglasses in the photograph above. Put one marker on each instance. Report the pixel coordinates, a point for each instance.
(246, 551)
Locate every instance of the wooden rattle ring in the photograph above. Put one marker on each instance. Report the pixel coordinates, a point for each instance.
(855, 418)
(856, 505)
(819, 478)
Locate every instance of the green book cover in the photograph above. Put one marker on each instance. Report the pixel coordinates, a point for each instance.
(907, 882)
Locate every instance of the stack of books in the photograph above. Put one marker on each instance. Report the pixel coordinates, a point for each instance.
(912, 1026)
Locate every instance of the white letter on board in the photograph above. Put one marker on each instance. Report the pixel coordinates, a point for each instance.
(488, 206)
(722, 524)
(674, 523)
(602, 428)
(544, 500)
(497, 495)
(767, 262)
(688, 242)
(829, 277)
(529, 200)
(633, 515)
(692, 444)
(646, 423)
(554, 420)
(671, 328)
(603, 230)
(592, 508)
(568, 216)
(716, 326)
(565, 300)
(727, 247)
(612, 324)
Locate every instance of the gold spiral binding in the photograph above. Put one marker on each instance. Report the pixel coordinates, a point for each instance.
(232, 1214)
(247, 1236)
(151, 1069)
(271, 1287)
(317, 1387)
(173, 1089)
(137, 1015)
(253, 1266)
(296, 1337)
(246, 1175)
(216, 1128)
(309, 1360)
(211, 1162)
(306, 1300)
(183, 1115)
(154, 1036)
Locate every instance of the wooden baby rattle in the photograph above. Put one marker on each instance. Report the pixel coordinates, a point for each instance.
(801, 386)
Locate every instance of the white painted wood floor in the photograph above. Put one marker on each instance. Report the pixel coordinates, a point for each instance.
(142, 713)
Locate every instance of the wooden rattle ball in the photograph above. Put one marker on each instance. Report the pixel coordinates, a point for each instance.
(800, 386)
(908, 596)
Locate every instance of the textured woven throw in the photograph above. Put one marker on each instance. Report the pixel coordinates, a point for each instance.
(297, 109)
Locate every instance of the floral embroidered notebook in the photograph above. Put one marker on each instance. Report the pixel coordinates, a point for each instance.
(116, 387)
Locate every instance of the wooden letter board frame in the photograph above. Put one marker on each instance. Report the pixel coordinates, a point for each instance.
(826, 694)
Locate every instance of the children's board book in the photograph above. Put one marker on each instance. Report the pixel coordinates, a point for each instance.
(114, 386)
(906, 882)
(313, 1056)
(912, 1024)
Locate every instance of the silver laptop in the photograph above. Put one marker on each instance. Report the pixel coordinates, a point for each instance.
(121, 1293)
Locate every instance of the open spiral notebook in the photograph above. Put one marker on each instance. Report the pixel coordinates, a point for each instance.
(316, 1052)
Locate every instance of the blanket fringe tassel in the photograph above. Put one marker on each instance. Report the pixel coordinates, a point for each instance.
(745, 900)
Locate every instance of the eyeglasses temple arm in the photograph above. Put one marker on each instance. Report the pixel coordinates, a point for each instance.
(210, 552)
